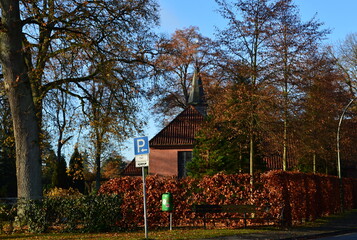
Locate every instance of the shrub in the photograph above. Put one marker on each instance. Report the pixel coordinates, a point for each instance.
(84, 213)
(101, 213)
(299, 196)
(61, 192)
(7, 217)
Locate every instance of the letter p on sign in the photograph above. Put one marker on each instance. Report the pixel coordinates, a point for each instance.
(141, 145)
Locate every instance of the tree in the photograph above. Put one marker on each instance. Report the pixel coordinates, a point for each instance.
(60, 177)
(19, 92)
(49, 159)
(312, 121)
(219, 148)
(59, 120)
(223, 142)
(346, 56)
(106, 120)
(89, 39)
(76, 170)
(113, 166)
(271, 47)
(291, 44)
(322, 102)
(186, 53)
(245, 40)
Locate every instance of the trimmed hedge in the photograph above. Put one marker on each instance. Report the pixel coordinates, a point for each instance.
(70, 214)
(301, 197)
(119, 205)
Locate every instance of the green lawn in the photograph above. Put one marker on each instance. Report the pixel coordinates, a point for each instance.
(174, 234)
(178, 233)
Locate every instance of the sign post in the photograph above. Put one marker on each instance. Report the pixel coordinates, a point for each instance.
(142, 150)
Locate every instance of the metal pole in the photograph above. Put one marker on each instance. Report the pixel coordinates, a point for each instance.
(338, 153)
(144, 193)
(170, 221)
(338, 137)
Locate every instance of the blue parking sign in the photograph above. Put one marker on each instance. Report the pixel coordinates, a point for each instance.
(141, 145)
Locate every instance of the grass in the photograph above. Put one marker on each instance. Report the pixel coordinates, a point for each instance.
(325, 221)
(176, 234)
(161, 234)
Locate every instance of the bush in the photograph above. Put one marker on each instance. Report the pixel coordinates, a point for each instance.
(84, 214)
(61, 192)
(7, 217)
(101, 213)
(302, 197)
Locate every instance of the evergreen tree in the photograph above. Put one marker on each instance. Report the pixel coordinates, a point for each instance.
(54, 168)
(222, 146)
(76, 170)
(60, 178)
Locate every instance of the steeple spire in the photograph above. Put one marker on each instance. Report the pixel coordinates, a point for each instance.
(196, 96)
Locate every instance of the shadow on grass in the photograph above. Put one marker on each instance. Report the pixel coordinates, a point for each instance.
(327, 224)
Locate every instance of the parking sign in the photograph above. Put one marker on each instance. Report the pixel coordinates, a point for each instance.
(141, 145)
(142, 150)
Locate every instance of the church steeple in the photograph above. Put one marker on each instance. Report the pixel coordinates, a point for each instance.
(196, 96)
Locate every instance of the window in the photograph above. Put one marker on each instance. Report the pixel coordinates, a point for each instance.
(183, 158)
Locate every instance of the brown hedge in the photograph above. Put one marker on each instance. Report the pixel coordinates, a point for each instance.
(299, 196)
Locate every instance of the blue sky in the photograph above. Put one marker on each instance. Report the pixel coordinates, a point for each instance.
(338, 15)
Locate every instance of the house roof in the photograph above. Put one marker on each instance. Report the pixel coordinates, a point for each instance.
(181, 131)
(132, 170)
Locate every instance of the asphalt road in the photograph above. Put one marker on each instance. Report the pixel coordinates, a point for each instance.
(349, 236)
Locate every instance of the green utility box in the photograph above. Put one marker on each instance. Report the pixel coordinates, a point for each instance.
(167, 202)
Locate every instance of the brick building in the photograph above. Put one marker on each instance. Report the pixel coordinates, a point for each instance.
(172, 147)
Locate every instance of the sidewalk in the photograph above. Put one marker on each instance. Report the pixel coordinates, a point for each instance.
(345, 223)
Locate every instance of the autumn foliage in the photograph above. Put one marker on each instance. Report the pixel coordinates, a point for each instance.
(300, 197)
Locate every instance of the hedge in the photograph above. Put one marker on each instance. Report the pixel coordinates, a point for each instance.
(67, 214)
(301, 197)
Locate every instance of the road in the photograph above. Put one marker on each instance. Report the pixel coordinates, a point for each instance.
(348, 236)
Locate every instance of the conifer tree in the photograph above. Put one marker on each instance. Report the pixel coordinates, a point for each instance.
(76, 170)
(60, 177)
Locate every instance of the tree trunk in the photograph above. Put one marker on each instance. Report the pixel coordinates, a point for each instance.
(18, 90)
(98, 173)
(98, 153)
(251, 158)
(286, 101)
(285, 142)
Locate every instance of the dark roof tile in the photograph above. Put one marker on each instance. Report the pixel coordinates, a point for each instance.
(181, 131)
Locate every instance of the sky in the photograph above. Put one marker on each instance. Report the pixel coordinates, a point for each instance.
(337, 15)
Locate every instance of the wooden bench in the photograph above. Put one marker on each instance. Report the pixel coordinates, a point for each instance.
(246, 211)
